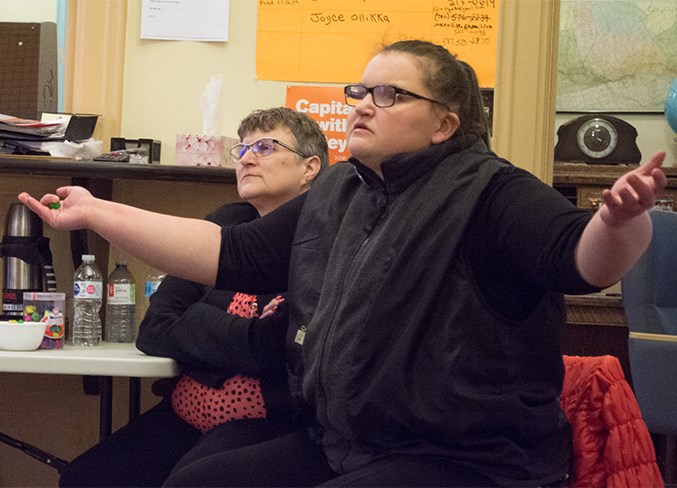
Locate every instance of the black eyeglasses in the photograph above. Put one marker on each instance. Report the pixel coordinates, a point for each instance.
(261, 148)
(383, 95)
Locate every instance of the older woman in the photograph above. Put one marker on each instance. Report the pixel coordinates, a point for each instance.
(232, 387)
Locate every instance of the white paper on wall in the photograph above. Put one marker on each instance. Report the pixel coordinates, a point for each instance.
(185, 20)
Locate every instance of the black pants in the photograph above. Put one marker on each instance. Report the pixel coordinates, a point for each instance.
(144, 452)
(294, 460)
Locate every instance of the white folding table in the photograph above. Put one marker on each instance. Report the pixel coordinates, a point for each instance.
(104, 362)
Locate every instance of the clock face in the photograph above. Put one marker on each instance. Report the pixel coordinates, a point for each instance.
(597, 138)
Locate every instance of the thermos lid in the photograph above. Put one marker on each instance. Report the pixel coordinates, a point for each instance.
(21, 222)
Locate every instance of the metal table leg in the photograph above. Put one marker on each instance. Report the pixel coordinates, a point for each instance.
(42, 456)
(134, 398)
(105, 407)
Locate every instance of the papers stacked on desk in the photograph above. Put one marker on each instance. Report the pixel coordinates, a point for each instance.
(43, 137)
(32, 130)
(25, 136)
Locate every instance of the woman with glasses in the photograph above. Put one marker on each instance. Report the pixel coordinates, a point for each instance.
(426, 280)
(207, 331)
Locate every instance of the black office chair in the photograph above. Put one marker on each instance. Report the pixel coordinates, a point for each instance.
(649, 294)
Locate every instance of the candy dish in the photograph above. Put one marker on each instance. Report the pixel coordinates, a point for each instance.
(17, 336)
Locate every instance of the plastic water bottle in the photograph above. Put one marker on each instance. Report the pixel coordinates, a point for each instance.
(120, 305)
(153, 280)
(87, 294)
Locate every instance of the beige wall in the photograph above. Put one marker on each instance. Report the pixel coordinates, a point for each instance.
(165, 80)
(28, 11)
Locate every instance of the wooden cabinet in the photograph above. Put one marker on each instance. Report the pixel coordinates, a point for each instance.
(595, 326)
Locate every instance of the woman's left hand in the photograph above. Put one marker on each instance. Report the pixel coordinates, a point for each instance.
(634, 193)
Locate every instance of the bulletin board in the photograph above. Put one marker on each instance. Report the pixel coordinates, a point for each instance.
(332, 40)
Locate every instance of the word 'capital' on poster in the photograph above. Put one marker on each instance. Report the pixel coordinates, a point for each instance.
(326, 105)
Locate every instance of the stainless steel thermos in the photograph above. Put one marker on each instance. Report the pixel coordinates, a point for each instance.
(27, 260)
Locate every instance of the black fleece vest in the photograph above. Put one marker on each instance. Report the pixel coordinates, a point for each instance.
(391, 344)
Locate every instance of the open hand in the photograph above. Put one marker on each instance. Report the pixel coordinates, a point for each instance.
(634, 193)
(73, 207)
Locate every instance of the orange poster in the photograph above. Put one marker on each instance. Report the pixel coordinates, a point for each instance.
(331, 41)
(327, 106)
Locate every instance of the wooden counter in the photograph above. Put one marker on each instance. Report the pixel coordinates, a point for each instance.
(100, 170)
(99, 178)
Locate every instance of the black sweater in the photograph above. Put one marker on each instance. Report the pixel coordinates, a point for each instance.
(189, 323)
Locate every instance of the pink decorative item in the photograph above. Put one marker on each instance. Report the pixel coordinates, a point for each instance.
(200, 150)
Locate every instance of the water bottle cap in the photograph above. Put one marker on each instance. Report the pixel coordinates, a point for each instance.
(88, 257)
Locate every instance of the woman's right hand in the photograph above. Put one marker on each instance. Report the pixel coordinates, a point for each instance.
(74, 205)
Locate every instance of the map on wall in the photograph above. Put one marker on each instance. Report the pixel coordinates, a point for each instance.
(616, 55)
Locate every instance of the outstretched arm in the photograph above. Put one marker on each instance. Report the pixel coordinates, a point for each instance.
(620, 231)
(188, 248)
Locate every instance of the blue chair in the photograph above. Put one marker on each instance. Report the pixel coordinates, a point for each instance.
(649, 294)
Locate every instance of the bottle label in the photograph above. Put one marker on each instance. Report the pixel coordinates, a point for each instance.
(92, 290)
(121, 294)
(151, 287)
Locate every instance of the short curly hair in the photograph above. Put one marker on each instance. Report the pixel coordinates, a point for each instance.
(309, 137)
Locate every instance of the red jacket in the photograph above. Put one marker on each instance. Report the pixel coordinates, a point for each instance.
(611, 443)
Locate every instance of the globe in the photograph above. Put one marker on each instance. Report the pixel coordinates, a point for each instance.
(671, 106)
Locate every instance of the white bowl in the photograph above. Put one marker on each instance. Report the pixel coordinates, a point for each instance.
(26, 336)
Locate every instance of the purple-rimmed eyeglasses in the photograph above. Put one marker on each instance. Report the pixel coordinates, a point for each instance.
(261, 148)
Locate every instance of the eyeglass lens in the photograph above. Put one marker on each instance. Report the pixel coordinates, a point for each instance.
(383, 95)
(262, 147)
